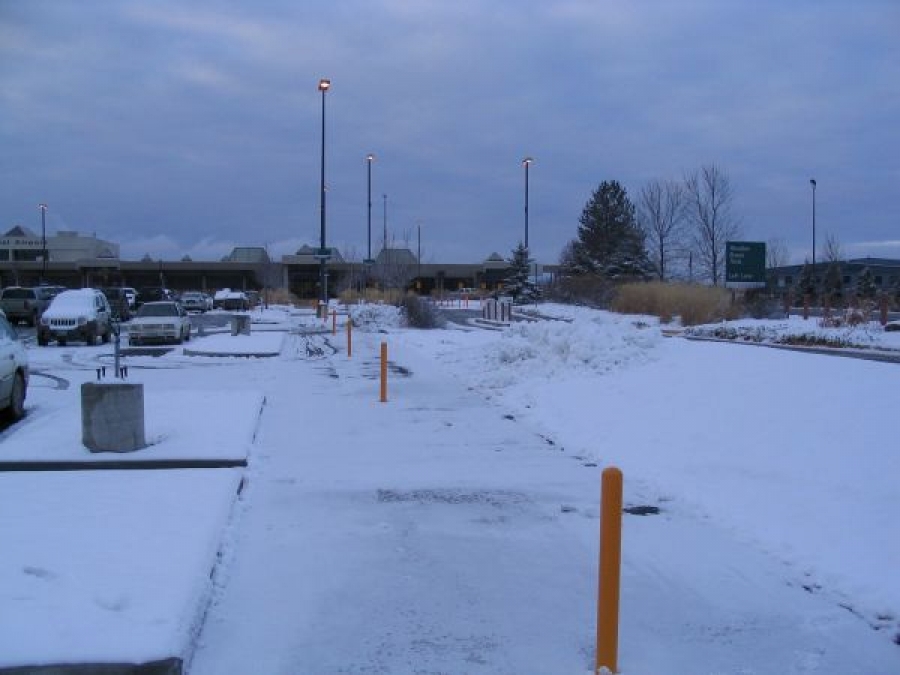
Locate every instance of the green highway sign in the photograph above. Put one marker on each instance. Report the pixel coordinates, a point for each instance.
(745, 264)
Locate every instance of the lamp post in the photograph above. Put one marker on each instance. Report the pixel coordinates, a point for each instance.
(384, 245)
(323, 256)
(43, 208)
(812, 182)
(419, 252)
(526, 163)
(369, 159)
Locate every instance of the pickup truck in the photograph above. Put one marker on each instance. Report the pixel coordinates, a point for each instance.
(20, 303)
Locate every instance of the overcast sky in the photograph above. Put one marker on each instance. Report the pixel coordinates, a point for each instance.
(180, 128)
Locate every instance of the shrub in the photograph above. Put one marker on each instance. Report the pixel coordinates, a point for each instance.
(420, 313)
(692, 303)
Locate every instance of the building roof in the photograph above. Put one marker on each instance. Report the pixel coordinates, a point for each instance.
(396, 256)
(248, 254)
(21, 231)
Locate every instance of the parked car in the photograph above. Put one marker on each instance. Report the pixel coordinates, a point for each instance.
(231, 300)
(164, 321)
(153, 294)
(194, 301)
(82, 314)
(26, 304)
(118, 302)
(13, 372)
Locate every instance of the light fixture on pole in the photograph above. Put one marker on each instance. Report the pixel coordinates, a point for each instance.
(369, 159)
(812, 182)
(323, 253)
(43, 208)
(526, 163)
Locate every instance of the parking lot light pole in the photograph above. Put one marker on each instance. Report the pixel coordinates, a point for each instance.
(324, 85)
(369, 159)
(812, 182)
(526, 163)
(43, 208)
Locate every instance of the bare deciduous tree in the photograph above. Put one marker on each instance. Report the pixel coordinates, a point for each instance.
(661, 214)
(833, 251)
(710, 200)
(776, 253)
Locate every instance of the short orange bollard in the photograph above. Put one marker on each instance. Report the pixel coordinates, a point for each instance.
(349, 338)
(384, 372)
(610, 568)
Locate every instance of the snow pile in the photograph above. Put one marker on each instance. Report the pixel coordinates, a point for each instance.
(796, 331)
(598, 343)
(373, 318)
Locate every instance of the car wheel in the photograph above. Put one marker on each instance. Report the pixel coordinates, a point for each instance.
(90, 337)
(61, 342)
(105, 336)
(16, 410)
(42, 341)
(187, 338)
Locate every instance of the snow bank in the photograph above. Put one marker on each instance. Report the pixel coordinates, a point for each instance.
(596, 343)
(797, 330)
(374, 318)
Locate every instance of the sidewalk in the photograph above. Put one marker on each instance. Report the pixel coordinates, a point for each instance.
(432, 534)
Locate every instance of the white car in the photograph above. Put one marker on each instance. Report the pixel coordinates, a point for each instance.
(83, 314)
(13, 372)
(163, 321)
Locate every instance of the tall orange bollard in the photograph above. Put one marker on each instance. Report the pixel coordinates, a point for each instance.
(610, 568)
(349, 338)
(383, 372)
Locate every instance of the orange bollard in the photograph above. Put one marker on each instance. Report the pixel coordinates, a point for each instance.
(334, 322)
(384, 372)
(349, 338)
(610, 568)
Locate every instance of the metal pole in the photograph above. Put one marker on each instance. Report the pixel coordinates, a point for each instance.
(812, 181)
(323, 87)
(384, 246)
(43, 208)
(419, 252)
(369, 159)
(526, 204)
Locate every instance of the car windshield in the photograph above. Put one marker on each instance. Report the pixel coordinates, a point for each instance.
(18, 293)
(158, 309)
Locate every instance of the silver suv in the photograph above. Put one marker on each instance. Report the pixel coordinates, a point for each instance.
(76, 315)
(19, 303)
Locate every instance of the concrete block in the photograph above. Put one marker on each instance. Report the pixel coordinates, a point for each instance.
(112, 416)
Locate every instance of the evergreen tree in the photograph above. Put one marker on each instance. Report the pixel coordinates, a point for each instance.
(610, 242)
(806, 285)
(518, 283)
(865, 285)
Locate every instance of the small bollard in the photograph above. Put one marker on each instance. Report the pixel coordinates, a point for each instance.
(334, 322)
(610, 571)
(349, 337)
(383, 398)
(98, 374)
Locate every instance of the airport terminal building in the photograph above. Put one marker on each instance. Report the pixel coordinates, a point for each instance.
(76, 260)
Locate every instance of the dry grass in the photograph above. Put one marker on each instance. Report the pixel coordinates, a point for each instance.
(693, 304)
(372, 295)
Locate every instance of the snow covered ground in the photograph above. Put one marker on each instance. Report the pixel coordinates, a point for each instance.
(453, 529)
